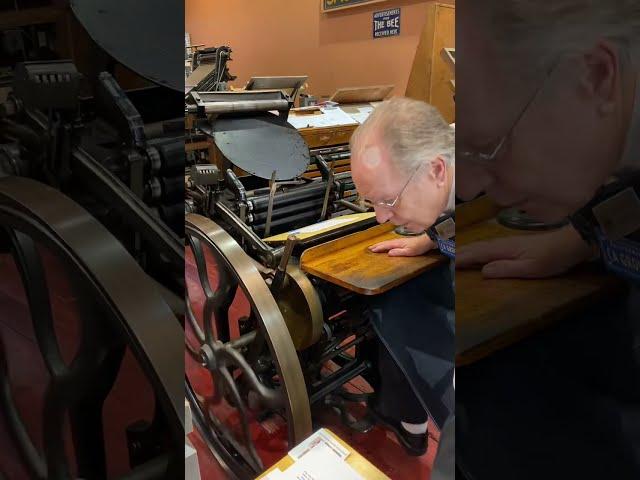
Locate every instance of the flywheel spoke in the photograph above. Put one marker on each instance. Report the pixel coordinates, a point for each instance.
(244, 416)
(34, 279)
(30, 455)
(203, 275)
(191, 318)
(269, 397)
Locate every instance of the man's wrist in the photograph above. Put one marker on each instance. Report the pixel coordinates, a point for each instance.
(588, 250)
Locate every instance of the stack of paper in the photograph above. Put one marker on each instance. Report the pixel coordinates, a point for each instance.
(362, 114)
(330, 117)
(320, 457)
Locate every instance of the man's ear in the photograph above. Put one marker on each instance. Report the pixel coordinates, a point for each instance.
(438, 170)
(601, 73)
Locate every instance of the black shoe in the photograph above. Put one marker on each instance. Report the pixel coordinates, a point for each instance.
(414, 443)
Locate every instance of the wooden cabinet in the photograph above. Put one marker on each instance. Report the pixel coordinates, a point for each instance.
(431, 76)
(327, 136)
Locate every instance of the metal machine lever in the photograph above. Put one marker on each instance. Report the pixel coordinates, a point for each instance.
(327, 194)
(273, 185)
(278, 278)
(352, 206)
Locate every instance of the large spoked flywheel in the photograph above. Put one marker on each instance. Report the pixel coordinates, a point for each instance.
(46, 240)
(249, 355)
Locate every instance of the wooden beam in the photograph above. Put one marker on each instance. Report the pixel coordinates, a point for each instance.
(30, 16)
(431, 75)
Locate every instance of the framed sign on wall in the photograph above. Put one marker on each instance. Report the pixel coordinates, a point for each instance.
(333, 5)
(386, 23)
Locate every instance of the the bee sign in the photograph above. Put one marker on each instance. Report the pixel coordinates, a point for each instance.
(386, 23)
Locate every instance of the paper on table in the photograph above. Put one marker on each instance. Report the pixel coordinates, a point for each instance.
(329, 118)
(362, 114)
(359, 117)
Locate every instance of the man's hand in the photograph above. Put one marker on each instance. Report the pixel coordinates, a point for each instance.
(527, 256)
(404, 247)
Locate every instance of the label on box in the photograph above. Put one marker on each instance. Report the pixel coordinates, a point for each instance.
(319, 439)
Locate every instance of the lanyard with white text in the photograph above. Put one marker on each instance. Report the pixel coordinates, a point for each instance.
(443, 233)
(612, 221)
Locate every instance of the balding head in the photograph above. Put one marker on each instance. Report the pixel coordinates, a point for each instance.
(410, 132)
(388, 153)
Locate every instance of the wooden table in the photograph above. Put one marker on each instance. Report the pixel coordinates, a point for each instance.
(349, 263)
(325, 136)
(493, 314)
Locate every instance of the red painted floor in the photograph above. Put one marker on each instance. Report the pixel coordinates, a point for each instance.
(378, 446)
(130, 400)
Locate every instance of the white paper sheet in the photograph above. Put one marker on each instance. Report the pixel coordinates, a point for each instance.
(362, 114)
(359, 117)
(276, 474)
(329, 118)
(321, 226)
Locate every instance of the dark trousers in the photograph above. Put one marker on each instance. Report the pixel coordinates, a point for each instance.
(415, 325)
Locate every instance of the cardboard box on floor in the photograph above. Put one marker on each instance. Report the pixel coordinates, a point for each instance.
(323, 456)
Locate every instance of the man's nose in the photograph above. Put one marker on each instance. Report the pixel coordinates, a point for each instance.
(383, 214)
(471, 180)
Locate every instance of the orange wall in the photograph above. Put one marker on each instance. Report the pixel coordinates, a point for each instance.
(292, 37)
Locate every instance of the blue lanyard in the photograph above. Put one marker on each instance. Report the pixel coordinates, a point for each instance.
(447, 246)
(622, 257)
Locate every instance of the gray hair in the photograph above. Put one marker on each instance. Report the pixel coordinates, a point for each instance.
(412, 130)
(550, 29)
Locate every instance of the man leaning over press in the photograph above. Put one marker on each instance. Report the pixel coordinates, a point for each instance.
(403, 162)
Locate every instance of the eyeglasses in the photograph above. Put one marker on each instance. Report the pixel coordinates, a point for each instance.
(483, 157)
(394, 202)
